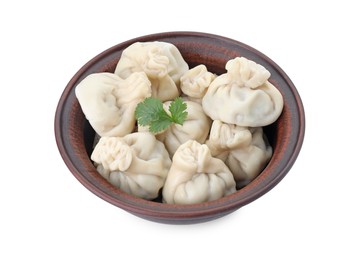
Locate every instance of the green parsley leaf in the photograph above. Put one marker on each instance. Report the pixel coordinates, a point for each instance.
(178, 111)
(150, 113)
(149, 110)
(159, 125)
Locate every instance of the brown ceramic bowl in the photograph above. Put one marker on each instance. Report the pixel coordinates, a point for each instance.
(74, 135)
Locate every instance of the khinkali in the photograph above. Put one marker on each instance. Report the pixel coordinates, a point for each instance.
(196, 127)
(109, 102)
(161, 61)
(245, 150)
(194, 83)
(136, 163)
(195, 176)
(243, 96)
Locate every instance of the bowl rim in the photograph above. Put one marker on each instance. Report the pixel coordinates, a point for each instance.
(179, 213)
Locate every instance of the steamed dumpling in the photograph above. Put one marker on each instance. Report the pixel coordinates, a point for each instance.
(109, 102)
(243, 96)
(196, 127)
(245, 150)
(137, 163)
(195, 176)
(194, 83)
(162, 63)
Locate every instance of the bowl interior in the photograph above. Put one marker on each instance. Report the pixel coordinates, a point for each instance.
(75, 136)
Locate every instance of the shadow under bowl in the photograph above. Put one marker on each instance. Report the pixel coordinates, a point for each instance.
(74, 135)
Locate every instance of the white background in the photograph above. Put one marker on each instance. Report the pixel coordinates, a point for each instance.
(47, 214)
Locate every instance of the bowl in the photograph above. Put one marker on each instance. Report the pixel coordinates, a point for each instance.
(75, 136)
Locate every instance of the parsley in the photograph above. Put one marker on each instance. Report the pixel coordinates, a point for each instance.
(150, 113)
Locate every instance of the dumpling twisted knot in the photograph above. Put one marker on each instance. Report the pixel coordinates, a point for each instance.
(197, 155)
(246, 73)
(113, 153)
(156, 64)
(195, 82)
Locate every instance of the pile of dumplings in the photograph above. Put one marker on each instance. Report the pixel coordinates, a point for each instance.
(219, 149)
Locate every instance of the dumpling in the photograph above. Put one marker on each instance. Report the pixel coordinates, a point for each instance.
(243, 96)
(244, 150)
(194, 83)
(196, 127)
(161, 61)
(195, 176)
(136, 163)
(246, 73)
(109, 102)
